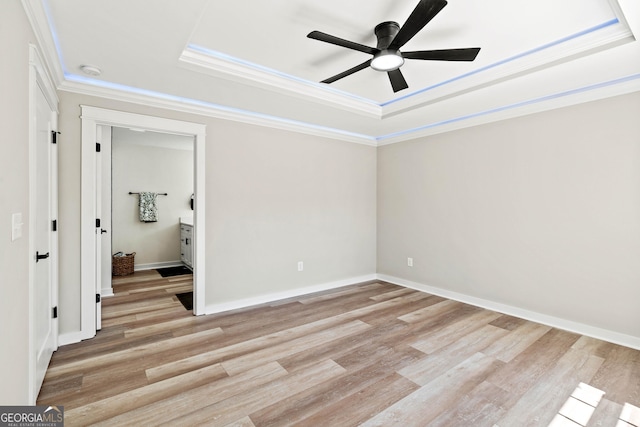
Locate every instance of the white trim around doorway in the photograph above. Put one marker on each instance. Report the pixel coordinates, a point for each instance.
(92, 117)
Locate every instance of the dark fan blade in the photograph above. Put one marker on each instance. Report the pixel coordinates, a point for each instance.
(348, 72)
(397, 80)
(328, 38)
(421, 15)
(466, 54)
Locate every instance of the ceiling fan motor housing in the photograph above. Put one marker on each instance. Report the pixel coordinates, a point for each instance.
(386, 32)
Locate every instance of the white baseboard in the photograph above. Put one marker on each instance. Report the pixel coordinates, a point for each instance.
(106, 292)
(556, 322)
(154, 265)
(263, 299)
(69, 338)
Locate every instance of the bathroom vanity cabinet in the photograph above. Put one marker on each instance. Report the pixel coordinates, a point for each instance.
(186, 242)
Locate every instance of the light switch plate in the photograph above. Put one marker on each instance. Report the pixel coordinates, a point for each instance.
(16, 226)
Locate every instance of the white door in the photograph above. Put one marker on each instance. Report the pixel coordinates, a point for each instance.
(45, 326)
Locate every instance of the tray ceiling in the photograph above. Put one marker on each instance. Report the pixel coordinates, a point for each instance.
(251, 60)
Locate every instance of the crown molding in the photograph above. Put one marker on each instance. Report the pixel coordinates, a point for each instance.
(610, 33)
(589, 41)
(81, 85)
(605, 35)
(568, 98)
(579, 95)
(39, 20)
(216, 64)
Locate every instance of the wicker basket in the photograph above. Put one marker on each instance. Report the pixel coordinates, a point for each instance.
(122, 265)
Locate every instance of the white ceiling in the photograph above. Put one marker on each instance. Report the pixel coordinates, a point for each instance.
(250, 60)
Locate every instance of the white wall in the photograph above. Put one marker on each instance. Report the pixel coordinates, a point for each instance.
(540, 212)
(273, 198)
(15, 36)
(139, 165)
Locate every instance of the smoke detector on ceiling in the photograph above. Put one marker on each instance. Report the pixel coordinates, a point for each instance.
(91, 70)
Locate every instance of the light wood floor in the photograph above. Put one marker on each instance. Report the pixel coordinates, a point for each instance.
(373, 354)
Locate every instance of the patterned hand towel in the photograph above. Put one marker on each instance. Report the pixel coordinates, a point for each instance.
(148, 208)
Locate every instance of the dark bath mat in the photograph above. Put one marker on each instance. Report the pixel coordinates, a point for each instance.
(173, 271)
(186, 299)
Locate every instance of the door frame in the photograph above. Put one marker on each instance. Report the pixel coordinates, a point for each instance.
(39, 80)
(92, 117)
(105, 135)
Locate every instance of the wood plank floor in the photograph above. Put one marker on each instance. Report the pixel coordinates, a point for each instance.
(373, 354)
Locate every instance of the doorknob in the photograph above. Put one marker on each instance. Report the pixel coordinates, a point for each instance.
(39, 257)
(102, 231)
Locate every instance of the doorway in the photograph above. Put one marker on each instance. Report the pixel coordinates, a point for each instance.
(94, 120)
(134, 161)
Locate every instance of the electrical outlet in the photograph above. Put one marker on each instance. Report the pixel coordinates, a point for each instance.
(300, 266)
(410, 262)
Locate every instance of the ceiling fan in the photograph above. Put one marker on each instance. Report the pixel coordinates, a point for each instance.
(391, 37)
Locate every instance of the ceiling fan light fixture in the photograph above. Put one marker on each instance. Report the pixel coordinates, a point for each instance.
(391, 38)
(387, 60)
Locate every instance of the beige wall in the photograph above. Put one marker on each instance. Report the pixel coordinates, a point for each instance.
(540, 212)
(15, 36)
(273, 198)
(135, 168)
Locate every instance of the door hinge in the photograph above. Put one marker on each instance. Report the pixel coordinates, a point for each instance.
(97, 222)
(97, 147)
(54, 225)
(54, 137)
(98, 298)
(54, 312)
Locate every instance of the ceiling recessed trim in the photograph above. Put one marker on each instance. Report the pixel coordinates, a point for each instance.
(47, 38)
(88, 86)
(619, 34)
(620, 86)
(201, 59)
(605, 35)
